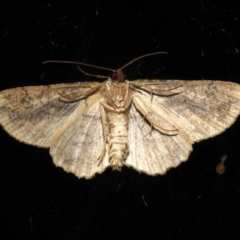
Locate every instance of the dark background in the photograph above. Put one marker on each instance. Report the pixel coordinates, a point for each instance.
(40, 201)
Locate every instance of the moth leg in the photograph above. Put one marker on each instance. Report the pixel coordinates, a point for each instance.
(105, 132)
(159, 92)
(76, 97)
(152, 122)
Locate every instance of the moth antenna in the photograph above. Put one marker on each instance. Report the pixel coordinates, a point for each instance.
(79, 63)
(143, 56)
(91, 75)
(114, 75)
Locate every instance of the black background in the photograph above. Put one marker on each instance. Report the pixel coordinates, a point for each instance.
(192, 201)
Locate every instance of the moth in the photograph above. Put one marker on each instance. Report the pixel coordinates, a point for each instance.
(149, 125)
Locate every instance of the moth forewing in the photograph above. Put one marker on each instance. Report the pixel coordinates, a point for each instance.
(205, 108)
(35, 114)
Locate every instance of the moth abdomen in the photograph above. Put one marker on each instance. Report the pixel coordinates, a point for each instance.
(118, 147)
(118, 153)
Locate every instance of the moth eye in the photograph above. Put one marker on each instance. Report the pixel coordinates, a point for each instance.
(114, 76)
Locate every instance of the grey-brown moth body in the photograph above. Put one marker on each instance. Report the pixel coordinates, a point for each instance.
(149, 125)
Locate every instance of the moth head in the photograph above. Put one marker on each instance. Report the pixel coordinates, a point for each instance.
(118, 76)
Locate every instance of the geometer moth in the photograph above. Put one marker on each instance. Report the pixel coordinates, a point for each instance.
(149, 125)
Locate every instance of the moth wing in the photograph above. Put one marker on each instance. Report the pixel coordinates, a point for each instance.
(35, 114)
(151, 151)
(197, 109)
(78, 144)
(201, 109)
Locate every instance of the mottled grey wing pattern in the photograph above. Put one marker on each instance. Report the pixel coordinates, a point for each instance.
(34, 114)
(202, 109)
(165, 119)
(199, 110)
